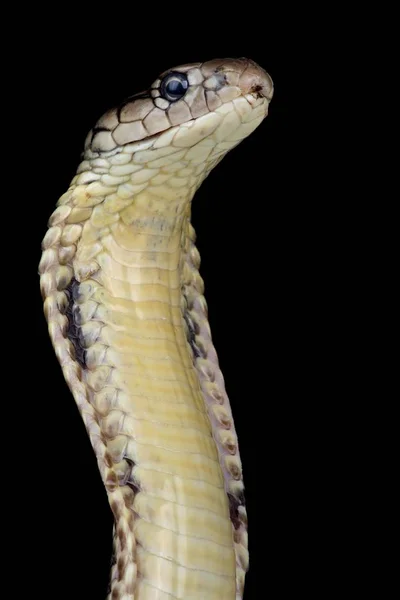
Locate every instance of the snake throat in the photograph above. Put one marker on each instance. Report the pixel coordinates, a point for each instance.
(127, 317)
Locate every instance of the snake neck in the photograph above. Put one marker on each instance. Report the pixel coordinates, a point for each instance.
(125, 265)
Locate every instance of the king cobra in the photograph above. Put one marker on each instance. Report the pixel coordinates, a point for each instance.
(127, 317)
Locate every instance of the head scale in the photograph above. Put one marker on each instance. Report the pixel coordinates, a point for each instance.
(225, 98)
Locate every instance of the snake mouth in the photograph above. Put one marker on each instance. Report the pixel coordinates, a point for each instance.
(254, 98)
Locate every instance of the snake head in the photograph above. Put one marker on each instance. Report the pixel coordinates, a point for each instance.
(222, 100)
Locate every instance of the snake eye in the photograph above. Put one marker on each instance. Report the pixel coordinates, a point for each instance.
(174, 86)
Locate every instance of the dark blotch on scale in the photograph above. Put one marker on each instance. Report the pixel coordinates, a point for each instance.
(128, 480)
(234, 504)
(74, 333)
(191, 338)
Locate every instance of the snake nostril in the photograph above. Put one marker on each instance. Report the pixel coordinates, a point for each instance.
(257, 90)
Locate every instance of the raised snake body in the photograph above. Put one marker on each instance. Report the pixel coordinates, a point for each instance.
(128, 320)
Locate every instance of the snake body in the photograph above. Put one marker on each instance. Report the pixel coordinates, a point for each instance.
(127, 317)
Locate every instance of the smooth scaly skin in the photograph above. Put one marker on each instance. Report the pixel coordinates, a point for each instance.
(128, 321)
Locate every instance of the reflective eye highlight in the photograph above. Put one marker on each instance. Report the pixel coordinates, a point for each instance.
(174, 86)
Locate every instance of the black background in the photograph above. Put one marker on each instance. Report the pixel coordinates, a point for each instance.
(255, 220)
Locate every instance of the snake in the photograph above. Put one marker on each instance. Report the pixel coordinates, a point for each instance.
(127, 318)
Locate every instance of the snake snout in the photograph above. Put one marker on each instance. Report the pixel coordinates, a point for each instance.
(254, 80)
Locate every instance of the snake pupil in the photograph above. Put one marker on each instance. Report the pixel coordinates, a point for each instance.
(174, 86)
